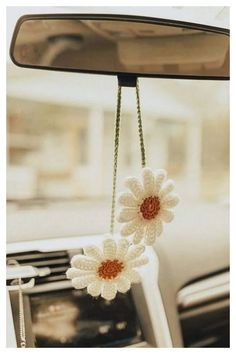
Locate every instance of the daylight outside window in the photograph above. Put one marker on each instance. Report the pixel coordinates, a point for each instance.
(60, 138)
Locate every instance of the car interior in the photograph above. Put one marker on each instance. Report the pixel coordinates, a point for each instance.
(62, 76)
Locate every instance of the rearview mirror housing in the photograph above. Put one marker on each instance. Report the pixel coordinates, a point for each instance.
(121, 45)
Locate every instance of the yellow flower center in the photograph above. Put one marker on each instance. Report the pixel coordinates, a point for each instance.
(150, 207)
(109, 269)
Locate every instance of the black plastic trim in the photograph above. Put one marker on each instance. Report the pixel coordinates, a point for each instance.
(205, 276)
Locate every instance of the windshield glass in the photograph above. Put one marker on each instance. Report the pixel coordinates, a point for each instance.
(60, 139)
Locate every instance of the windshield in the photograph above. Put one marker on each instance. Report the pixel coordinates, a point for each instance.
(60, 138)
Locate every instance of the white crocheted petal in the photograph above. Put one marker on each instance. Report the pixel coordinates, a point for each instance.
(135, 186)
(95, 288)
(138, 262)
(127, 214)
(72, 273)
(160, 178)
(93, 252)
(109, 248)
(83, 263)
(166, 188)
(139, 233)
(166, 215)
(170, 201)
(159, 227)
(75, 273)
(134, 252)
(122, 248)
(123, 284)
(132, 275)
(82, 282)
(151, 232)
(109, 290)
(127, 199)
(130, 227)
(148, 181)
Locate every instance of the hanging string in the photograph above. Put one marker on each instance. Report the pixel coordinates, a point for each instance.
(140, 127)
(115, 159)
(21, 316)
(116, 147)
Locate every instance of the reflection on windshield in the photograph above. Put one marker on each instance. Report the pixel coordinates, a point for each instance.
(60, 135)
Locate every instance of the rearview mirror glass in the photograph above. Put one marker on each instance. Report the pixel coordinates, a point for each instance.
(120, 45)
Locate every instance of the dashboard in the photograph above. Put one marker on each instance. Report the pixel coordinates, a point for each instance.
(196, 252)
(52, 307)
(183, 300)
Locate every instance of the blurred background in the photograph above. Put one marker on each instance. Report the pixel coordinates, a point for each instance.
(60, 145)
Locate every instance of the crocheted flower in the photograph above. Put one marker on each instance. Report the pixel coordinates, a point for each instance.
(147, 205)
(108, 270)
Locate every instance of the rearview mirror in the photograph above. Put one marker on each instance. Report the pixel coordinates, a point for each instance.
(121, 45)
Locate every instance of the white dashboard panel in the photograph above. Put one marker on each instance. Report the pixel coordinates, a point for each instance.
(149, 284)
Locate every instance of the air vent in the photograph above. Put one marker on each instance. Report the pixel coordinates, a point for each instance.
(57, 262)
(204, 312)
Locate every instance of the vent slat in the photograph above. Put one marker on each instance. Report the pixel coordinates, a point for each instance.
(50, 278)
(60, 269)
(58, 262)
(45, 263)
(37, 255)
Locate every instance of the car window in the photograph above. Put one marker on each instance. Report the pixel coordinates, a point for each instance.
(60, 137)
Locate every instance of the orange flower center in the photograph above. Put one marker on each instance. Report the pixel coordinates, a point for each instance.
(109, 269)
(150, 207)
